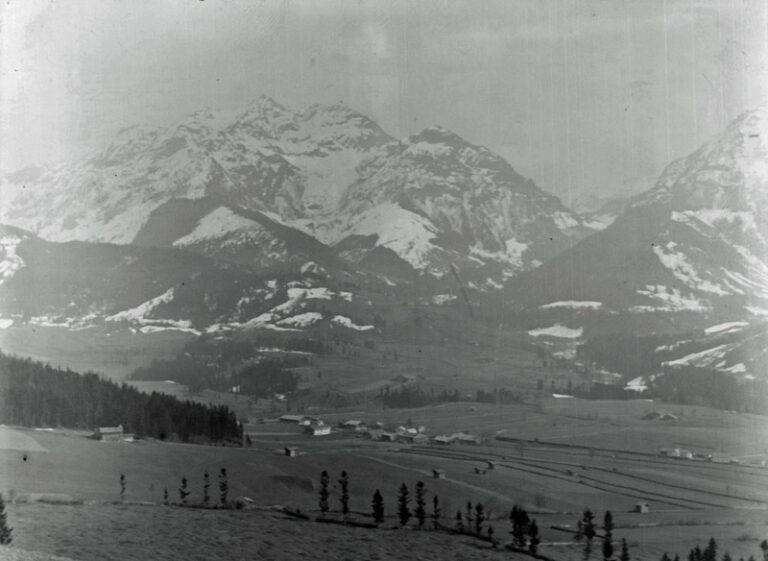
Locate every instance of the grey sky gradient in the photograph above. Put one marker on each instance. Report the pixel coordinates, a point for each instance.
(583, 96)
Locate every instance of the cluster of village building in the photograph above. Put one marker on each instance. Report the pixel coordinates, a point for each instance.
(380, 432)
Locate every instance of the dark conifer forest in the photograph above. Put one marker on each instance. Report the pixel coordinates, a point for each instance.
(38, 395)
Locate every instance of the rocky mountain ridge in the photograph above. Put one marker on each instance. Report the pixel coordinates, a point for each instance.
(432, 199)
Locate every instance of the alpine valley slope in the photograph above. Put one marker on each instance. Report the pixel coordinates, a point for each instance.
(418, 204)
(686, 257)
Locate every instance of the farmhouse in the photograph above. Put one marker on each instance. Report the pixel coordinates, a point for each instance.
(443, 439)
(438, 474)
(408, 438)
(109, 434)
(465, 438)
(354, 424)
(642, 508)
(382, 435)
(406, 430)
(318, 428)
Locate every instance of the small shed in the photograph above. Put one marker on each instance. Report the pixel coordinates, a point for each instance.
(642, 508)
(109, 434)
(291, 451)
(438, 474)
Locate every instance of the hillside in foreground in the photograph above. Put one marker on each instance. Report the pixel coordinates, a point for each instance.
(555, 459)
(136, 532)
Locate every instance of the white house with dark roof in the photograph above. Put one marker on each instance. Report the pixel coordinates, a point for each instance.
(318, 428)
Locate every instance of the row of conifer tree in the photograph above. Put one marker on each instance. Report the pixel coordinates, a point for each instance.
(474, 519)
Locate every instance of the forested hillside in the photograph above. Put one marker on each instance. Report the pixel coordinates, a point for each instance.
(220, 364)
(38, 395)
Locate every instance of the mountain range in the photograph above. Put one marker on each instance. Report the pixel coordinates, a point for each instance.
(430, 200)
(292, 220)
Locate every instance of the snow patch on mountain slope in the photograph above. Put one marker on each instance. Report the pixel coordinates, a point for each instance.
(408, 234)
(10, 262)
(703, 358)
(672, 300)
(756, 311)
(738, 368)
(260, 322)
(728, 327)
(51, 321)
(298, 295)
(5, 323)
(512, 255)
(564, 220)
(440, 299)
(599, 222)
(677, 262)
(514, 252)
(320, 293)
(714, 216)
(312, 268)
(301, 320)
(638, 384)
(348, 323)
(757, 269)
(289, 315)
(139, 313)
(557, 330)
(218, 223)
(183, 326)
(672, 346)
(573, 304)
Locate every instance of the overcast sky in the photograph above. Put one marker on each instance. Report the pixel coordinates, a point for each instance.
(581, 96)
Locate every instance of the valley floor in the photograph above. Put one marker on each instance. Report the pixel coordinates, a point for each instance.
(555, 458)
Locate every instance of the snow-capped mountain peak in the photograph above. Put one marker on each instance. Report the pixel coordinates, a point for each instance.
(695, 243)
(432, 198)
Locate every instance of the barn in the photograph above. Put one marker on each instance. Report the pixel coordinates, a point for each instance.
(109, 434)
